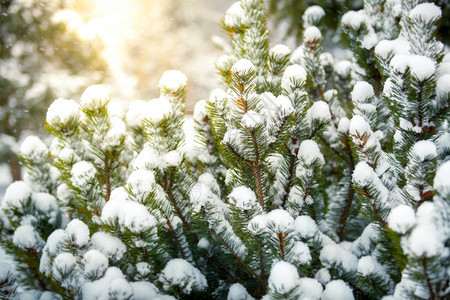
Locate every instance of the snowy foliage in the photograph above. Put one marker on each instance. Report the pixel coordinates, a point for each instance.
(311, 177)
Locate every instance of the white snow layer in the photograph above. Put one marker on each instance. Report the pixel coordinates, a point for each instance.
(313, 15)
(401, 218)
(293, 74)
(242, 66)
(180, 273)
(238, 292)
(61, 111)
(129, 214)
(235, 15)
(25, 237)
(312, 34)
(305, 226)
(172, 80)
(94, 97)
(158, 109)
(112, 282)
(421, 67)
(354, 19)
(217, 96)
(109, 245)
(280, 50)
(319, 111)
(243, 198)
(333, 254)
(95, 263)
(78, 233)
(397, 46)
(426, 11)
(443, 85)
(283, 277)
(441, 180)
(252, 119)
(362, 91)
(310, 288)
(16, 194)
(32, 147)
(309, 152)
(337, 290)
(141, 181)
(82, 172)
(423, 149)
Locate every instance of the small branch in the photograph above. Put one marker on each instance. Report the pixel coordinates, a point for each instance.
(175, 238)
(287, 188)
(350, 196)
(238, 258)
(235, 153)
(280, 237)
(257, 172)
(179, 213)
(419, 104)
(423, 261)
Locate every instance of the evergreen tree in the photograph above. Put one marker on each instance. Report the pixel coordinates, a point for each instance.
(310, 179)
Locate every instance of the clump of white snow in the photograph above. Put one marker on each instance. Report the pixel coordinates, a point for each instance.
(441, 180)
(181, 274)
(252, 119)
(172, 80)
(313, 15)
(235, 15)
(280, 50)
(337, 290)
(443, 85)
(310, 288)
(26, 237)
(305, 227)
(109, 245)
(78, 232)
(95, 263)
(283, 277)
(63, 111)
(362, 91)
(141, 181)
(401, 218)
(238, 292)
(421, 67)
(136, 113)
(309, 152)
(94, 97)
(82, 172)
(158, 109)
(16, 194)
(344, 125)
(33, 148)
(217, 96)
(129, 214)
(242, 66)
(426, 11)
(397, 46)
(312, 34)
(323, 276)
(336, 255)
(424, 149)
(319, 111)
(294, 74)
(354, 19)
(243, 198)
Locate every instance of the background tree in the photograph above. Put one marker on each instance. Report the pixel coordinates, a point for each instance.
(41, 57)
